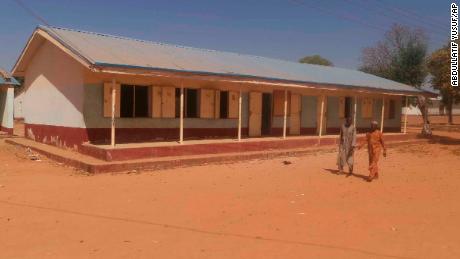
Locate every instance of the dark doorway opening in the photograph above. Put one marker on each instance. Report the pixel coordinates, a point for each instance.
(224, 104)
(127, 101)
(348, 107)
(141, 107)
(191, 103)
(266, 114)
(177, 104)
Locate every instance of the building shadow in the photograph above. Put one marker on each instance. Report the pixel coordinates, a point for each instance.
(443, 140)
(336, 172)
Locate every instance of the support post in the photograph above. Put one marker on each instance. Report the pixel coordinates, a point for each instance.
(8, 115)
(382, 118)
(285, 114)
(239, 116)
(181, 122)
(355, 111)
(405, 114)
(114, 93)
(321, 118)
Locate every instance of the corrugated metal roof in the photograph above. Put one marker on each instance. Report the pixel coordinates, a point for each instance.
(7, 79)
(108, 50)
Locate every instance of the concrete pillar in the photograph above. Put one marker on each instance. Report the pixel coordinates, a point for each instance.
(405, 114)
(7, 122)
(181, 123)
(355, 111)
(285, 114)
(321, 119)
(239, 116)
(382, 118)
(112, 134)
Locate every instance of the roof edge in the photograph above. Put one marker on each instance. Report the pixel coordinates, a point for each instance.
(205, 73)
(59, 41)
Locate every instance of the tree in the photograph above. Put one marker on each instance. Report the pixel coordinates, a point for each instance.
(439, 67)
(316, 60)
(400, 56)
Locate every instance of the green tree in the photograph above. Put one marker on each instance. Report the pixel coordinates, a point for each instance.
(439, 67)
(400, 56)
(316, 60)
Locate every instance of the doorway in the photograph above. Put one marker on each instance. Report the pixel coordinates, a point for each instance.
(348, 107)
(266, 113)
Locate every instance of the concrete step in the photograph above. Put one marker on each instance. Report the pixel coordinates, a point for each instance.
(92, 165)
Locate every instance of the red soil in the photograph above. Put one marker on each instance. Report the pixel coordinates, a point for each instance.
(256, 209)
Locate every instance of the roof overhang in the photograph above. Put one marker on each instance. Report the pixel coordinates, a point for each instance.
(41, 35)
(38, 37)
(241, 79)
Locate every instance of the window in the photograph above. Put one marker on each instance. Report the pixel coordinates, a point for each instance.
(348, 105)
(224, 104)
(345, 107)
(191, 101)
(134, 101)
(177, 103)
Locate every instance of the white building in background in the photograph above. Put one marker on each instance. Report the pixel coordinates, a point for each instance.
(435, 105)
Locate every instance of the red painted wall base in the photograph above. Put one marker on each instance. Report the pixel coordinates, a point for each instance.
(129, 153)
(8, 131)
(71, 137)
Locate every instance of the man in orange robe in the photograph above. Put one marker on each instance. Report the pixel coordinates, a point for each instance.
(375, 145)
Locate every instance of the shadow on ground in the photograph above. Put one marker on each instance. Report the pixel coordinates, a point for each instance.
(443, 140)
(336, 172)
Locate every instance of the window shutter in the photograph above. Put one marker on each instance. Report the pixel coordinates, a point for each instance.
(366, 108)
(341, 107)
(217, 105)
(156, 102)
(207, 97)
(278, 103)
(108, 100)
(168, 105)
(233, 97)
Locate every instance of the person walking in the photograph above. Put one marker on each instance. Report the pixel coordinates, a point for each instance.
(375, 144)
(347, 144)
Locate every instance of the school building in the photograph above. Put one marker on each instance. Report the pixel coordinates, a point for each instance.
(83, 87)
(7, 85)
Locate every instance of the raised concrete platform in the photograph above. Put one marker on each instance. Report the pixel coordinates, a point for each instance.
(94, 165)
(123, 152)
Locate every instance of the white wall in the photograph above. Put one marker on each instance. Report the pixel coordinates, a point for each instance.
(432, 110)
(18, 101)
(6, 107)
(53, 89)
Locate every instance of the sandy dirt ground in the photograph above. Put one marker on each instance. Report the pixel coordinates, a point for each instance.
(256, 209)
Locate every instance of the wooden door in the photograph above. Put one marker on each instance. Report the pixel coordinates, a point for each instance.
(207, 103)
(255, 114)
(168, 102)
(294, 126)
(156, 102)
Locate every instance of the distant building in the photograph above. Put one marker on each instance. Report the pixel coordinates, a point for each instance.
(435, 105)
(7, 85)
